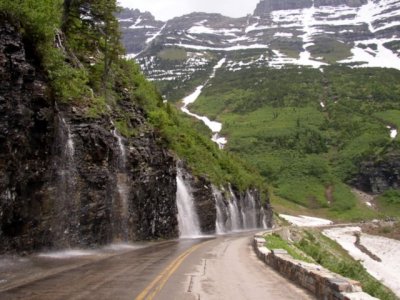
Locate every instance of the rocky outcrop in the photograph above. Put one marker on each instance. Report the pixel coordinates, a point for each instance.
(378, 176)
(26, 138)
(350, 3)
(62, 183)
(265, 7)
(137, 28)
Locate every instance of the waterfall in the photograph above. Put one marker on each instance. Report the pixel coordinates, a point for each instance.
(121, 147)
(234, 212)
(220, 221)
(67, 202)
(243, 212)
(121, 208)
(187, 216)
(263, 219)
(251, 212)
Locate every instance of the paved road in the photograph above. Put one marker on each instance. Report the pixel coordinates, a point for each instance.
(217, 268)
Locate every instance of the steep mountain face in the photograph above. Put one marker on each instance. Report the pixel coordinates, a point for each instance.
(71, 180)
(308, 32)
(138, 29)
(61, 173)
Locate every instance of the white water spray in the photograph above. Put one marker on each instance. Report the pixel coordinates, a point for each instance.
(234, 212)
(189, 226)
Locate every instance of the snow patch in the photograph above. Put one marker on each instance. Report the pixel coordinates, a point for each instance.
(231, 48)
(305, 221)
(382, 57)
(283, 34)
(388, 250)
(200, 29)
(393, 133)
(214, 126)
(149, 40)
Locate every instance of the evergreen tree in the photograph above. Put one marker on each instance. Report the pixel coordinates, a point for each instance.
(93, 31)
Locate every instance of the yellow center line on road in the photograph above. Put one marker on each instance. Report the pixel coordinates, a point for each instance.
(158, 283)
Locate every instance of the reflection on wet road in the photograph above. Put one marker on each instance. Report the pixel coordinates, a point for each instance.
(224, 267)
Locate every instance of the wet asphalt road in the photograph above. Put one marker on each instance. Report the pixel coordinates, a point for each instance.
(215, 268)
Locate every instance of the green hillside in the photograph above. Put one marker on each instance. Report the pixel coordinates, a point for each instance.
(307, 131)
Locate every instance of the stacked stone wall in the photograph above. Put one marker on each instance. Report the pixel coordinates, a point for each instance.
(321, 282)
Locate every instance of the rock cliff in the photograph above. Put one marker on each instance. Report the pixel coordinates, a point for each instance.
(378, 176)
(61, 178)
(71, 180)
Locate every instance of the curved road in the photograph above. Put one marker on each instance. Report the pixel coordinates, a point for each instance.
(217, 268)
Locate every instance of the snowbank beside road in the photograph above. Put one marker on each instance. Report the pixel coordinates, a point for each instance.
(388, 250)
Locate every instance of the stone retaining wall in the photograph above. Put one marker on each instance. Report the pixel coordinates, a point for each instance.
(323, 283)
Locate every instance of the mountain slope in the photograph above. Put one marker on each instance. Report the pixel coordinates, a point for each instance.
(291, 97)
(308, 33)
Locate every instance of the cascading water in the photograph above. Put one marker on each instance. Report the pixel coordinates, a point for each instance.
(121, 208)
(234, 212)
(189, 225)
(263, 219)
(243, 212)
(120, 145)
(251, 212)
(67, 203)
(220, 226)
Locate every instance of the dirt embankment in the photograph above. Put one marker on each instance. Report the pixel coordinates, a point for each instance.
(389, 229)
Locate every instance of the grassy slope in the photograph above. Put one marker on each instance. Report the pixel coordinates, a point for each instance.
(274, 120)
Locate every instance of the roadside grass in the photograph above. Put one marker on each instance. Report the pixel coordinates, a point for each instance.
(274, 241)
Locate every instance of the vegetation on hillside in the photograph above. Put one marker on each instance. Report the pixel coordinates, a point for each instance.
(307, 131)
(78, 45)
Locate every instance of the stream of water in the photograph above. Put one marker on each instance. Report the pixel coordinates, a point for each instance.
(214, 126)
(121, 208)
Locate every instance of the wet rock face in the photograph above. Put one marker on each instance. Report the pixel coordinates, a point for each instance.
(208, 197)
(149, 174)
(377, 177)
(62, 183)
(26, 138)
